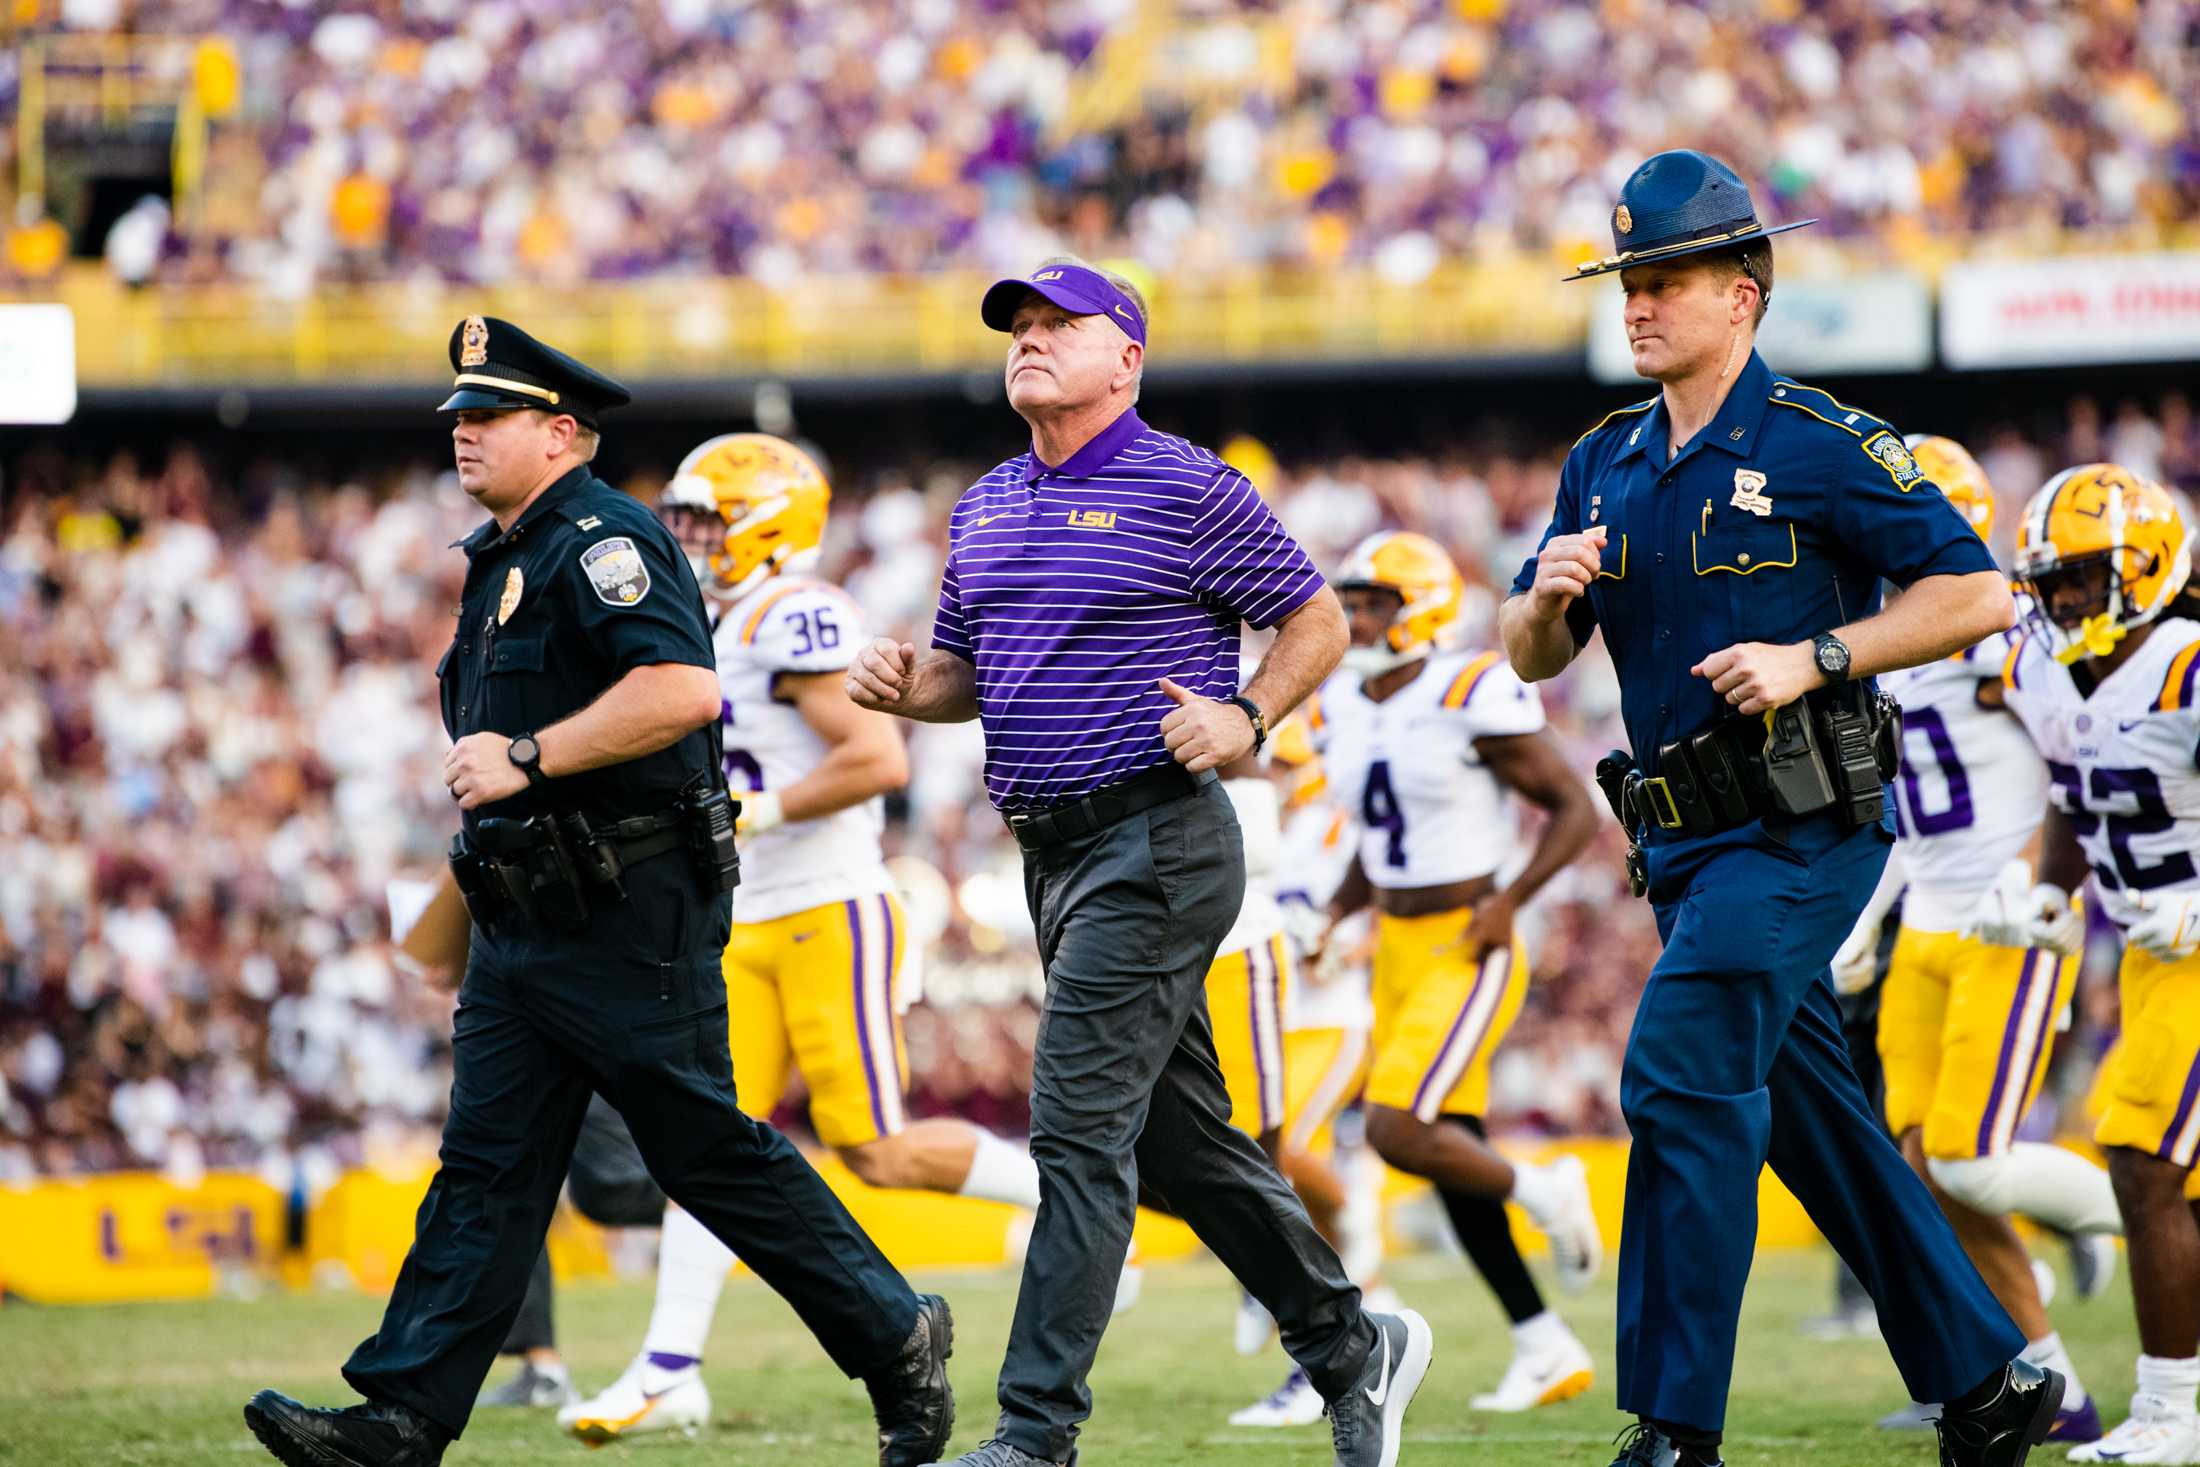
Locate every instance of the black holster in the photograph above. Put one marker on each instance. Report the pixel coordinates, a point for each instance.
(535, 865)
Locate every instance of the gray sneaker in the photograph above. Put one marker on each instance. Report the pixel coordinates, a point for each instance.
(1001, 1454)
(1366, 1423)
(535, 1387)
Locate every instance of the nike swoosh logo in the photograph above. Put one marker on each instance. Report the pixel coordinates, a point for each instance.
(1380, 1391)
(987, 519)
(2123, 727)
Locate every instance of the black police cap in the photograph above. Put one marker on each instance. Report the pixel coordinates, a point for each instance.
(502, 367)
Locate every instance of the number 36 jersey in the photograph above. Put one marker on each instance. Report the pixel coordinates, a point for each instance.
(1972, 786)
(1430, 810)
(791, 626)
(2122, 761)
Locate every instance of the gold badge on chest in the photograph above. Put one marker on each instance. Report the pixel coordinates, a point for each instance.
(514, 585)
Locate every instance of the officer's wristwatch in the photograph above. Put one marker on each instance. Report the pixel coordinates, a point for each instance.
(526, 757)
(1252, 711)
(1832, 655)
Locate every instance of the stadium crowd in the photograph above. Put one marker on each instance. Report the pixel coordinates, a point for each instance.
(219, 743)
(557, 141)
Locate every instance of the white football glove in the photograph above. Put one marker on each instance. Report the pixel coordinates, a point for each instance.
(1857, 959)
(2015, 912)
(759, 812)
(2170, 928)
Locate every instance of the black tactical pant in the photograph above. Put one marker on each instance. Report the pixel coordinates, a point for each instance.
(611, 1186)
(637, 1013)
(1125, 1091)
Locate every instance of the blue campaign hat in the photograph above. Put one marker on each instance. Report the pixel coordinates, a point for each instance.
(1077, 290)
(1680, 203)
(501, 367)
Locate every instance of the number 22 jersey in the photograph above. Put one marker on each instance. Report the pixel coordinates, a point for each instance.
(2122, 761)
(791, 626)
(1430, 811)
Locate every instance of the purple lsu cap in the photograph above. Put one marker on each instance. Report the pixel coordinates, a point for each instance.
(1075, 289)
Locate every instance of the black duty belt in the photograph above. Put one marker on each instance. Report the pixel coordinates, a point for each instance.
(1037, 829)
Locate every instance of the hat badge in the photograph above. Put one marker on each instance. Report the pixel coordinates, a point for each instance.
(1623, 221)
(474, 343)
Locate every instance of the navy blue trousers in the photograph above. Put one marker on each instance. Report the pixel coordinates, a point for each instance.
(1736, 1060)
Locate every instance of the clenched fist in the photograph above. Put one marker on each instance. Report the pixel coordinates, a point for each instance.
(881, 674)
(479, 770)
(1565, 567)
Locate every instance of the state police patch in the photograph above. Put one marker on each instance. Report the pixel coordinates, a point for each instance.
(616, 572)
(1894, 458)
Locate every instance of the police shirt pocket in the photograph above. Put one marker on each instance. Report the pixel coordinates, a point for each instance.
(516, 654)
(1755, 559)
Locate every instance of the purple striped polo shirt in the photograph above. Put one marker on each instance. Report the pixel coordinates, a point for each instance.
(1074, 590)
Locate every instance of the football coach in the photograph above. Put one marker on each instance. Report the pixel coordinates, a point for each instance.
(1089, 618)
(1729, 536)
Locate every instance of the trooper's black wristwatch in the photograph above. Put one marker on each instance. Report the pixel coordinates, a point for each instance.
(1832, 655)
(526, 757)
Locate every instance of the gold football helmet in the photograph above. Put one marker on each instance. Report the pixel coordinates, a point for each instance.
(1292, 748)
(1428, 586)
(768, 500)
(1950, 465)
(2100, 551)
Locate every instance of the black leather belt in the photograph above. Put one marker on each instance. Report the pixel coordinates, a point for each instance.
(1037, 829)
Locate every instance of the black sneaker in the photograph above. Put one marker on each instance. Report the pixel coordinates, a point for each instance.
(2002, 1430)
(1367, 1422)
(376, 1434)
(1643, 1445)
(914, 1403)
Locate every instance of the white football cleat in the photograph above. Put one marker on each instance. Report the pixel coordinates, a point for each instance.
(1577, 1248)
(646, 1399)
(1294, 1403)
(1254, 1325)
(1542, 1378)
(2158, 1434)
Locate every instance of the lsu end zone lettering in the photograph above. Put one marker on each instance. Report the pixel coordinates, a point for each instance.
(135, 1235)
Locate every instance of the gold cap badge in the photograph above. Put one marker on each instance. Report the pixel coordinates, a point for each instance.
(1623, 221)
(474, 343)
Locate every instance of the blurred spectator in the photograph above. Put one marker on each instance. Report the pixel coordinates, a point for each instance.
(543, 140)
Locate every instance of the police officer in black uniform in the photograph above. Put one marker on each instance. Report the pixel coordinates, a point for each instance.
(596, 858)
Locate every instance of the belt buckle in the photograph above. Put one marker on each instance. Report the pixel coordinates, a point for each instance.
(1659, 787)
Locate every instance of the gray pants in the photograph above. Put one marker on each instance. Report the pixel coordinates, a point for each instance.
(1125, 1091)
(610, 1187)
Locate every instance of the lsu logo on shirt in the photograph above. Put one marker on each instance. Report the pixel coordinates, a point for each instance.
(1092, 519)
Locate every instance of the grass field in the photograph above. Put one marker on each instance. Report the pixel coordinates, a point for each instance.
(156, 1384)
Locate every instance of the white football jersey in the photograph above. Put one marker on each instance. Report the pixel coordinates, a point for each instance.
(1318, 842)
(1258, 918)
(1430, 811)
(797, 626)
(1972, 788)
(2121, 763)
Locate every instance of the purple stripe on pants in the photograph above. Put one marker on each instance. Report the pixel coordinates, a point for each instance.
(863, 1027)
(893, 1015)
(1481, 976)
(2168, 1149)
(2008, 1049)
(1254, 983)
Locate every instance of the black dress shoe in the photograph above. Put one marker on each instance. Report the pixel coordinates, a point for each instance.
(375, 1434)
(911, 1397)
(2001, 1430)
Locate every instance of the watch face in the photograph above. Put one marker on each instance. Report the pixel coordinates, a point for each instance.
(524, 752)
(1833, 657)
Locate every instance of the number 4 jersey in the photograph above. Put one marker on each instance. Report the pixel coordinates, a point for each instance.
(2122, 760)
(1972, 787)
(1430, 811)
(791, 626)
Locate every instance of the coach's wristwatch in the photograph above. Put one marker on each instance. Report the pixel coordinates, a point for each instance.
(526, 757)
(1252, 711)
(1832, 655)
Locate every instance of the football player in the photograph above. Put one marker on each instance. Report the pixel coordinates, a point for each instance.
(1968, 1013)
(1325, 1051)
(818, 961)
(1426, 747)
(2104, 678)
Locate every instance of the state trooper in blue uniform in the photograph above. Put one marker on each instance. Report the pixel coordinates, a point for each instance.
(596, 858)
(1729, 537)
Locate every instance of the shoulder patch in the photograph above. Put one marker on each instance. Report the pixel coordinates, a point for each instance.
(615, 571)
(1887, 450)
